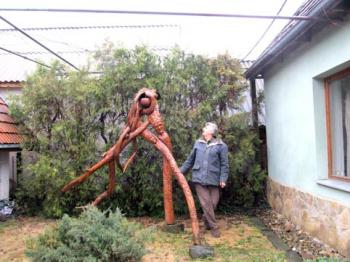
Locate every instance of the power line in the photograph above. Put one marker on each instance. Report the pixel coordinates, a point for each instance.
(265, 32)
(80, 51)
(36, 41)
(132, 12)
(58, 52)
(24, 57)
(90, 27)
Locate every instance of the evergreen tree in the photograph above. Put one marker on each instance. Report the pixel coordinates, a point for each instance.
(71, 118)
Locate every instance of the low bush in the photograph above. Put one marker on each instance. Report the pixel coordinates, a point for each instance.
(93, 236)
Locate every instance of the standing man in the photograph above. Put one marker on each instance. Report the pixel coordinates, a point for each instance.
(209, 162)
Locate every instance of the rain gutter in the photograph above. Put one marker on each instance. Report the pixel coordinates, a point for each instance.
(272, 52)
(10, 146)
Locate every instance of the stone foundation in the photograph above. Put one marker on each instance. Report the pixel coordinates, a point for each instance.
(326, 220)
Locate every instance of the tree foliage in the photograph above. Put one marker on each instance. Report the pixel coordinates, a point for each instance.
(71, 119)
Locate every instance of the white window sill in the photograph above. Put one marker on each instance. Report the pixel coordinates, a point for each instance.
(336, 184)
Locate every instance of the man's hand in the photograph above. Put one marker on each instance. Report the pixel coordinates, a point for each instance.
(222, 184)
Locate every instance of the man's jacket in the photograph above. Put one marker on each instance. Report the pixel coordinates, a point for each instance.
(209, 162)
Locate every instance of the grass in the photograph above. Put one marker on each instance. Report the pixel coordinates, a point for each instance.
(15, 232)
(239, 241)
(7, 225)
(325, 259)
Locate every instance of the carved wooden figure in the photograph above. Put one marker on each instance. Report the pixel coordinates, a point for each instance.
(145, 104)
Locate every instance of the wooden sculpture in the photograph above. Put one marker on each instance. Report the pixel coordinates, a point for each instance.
(145, 104)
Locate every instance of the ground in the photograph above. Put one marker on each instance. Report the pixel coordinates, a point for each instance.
(15, 232)
(297, 239)
(240, 241)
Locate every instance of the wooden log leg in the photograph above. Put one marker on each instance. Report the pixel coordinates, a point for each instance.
(157, 122)
(189, 199)
(167, 183)
(180, 179)
(168, 194)
(109, 191)
(107, 158)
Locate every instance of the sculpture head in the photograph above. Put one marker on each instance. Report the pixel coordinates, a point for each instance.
(147, 99)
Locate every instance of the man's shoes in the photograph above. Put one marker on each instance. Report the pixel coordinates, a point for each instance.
(206, 225)
(215, 232)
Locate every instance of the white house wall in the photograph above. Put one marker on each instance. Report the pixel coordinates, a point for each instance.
(4, 175)
(295, 113)
(13, 166)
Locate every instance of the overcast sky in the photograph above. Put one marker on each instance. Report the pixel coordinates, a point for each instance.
(201, 35)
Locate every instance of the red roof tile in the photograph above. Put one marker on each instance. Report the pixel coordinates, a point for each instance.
(8, 128)
(4, 109)
(5, 118)
(6, 138)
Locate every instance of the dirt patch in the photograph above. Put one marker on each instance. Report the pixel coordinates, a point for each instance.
(15, 232)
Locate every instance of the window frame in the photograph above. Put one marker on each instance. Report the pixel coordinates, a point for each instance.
(327, 81)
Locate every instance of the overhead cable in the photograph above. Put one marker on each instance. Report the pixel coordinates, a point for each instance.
(82, 51)
(24, 57)
(90, 27)
(36, 41)
(265, 32)
(134, 12)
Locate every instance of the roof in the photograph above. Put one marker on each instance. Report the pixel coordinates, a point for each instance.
(10, 84)
(9, 135)
(75, 44)
(296, 32)
(18, 69)
(246, 64)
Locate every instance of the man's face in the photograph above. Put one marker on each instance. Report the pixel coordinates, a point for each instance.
(206, 131)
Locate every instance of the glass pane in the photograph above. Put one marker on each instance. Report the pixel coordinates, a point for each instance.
(340, 124)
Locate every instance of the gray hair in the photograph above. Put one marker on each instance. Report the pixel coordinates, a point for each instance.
(212, 127)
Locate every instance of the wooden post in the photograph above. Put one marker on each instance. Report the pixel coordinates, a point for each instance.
(255, 119)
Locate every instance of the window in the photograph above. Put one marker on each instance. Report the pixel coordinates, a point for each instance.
(337, 93)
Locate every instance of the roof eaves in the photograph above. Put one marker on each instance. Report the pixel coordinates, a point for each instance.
(10, 146)
(11, 84)
(292, 31)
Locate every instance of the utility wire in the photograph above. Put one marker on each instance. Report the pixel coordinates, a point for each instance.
(92, 27)
(131, 12)
(24, 57)
(42, 64)
(265, 32)
(36, 41)
(79, 51)
(58, 52)
(89, 27)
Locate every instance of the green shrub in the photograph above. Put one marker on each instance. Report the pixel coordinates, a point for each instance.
(246, 183)
(94, 236)
(70, 119)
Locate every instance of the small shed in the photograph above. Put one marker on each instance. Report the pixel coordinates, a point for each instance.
(10, 140)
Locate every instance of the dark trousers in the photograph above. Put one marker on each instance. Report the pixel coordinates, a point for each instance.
(208, 198)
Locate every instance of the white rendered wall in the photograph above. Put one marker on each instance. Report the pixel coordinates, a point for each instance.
(4, 174)
(295, 112)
